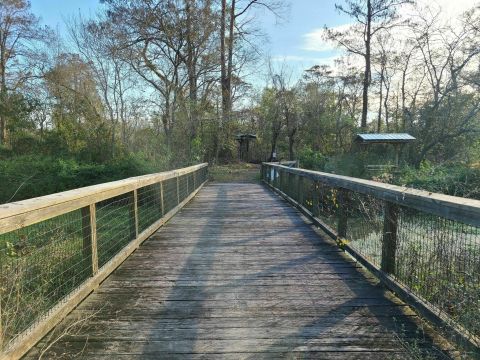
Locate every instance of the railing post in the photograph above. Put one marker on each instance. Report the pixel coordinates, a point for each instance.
(280, 179)
(178, 190)
(315, 202)
(389, 240)
(161, 198)
(133, 200)
(343, 204)
(89, 229)
(290, 185)
(300, 189)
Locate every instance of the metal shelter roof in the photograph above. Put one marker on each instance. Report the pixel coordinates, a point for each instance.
(384, 138)
(245, 136)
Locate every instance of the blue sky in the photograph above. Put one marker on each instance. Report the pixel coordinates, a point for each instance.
(286, 40)
(295, 42)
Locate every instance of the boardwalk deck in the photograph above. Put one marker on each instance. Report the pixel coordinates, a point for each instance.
(238, 274)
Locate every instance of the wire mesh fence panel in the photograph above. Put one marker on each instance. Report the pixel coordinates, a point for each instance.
(325, 204)
(439, 259)
(170, 194)
(149, 206)
(39, 265)
(183, 187)
(115, 226)
(365, 226)
(43, 263)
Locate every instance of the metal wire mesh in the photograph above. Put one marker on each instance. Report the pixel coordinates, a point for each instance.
(437, 259)
(170, 194)
(41, 264)
(149, 206)
(115, 226)
(365, 226)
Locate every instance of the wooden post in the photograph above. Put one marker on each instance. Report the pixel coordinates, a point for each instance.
(343, 204)
(280, 179)
(315, 202)
(300, 189)
(89, 230)
(389, 241)
(162, 204)
(133, 201)
(178, 190)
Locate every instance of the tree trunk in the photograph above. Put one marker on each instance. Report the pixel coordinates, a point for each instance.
(192, 73)
(223, 63)
(231, 40)
(385, 104)
(3, 100)
(367, 74)
(291, 141)
(379, 119)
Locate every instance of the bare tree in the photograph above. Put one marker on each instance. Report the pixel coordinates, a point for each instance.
(20, 32)
(371, 17)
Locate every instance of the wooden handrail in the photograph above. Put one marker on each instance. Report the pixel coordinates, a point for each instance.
(392, 198)
(19, 214)
(450, 207)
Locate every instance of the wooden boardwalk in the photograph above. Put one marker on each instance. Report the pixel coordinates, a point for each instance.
(238, 274)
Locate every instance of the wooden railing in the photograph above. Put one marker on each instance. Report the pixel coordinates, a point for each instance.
(56, 249)
(424, 246)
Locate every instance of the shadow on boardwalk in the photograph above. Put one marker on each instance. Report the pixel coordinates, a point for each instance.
(238, 274)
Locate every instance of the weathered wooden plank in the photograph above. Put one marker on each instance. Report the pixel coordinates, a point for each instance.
(59, 312)
(236, 274)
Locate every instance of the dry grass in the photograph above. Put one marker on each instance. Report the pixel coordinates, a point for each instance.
(235, 172)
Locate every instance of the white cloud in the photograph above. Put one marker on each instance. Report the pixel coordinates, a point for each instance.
(304, 59)
(450, 10)
(315, 39)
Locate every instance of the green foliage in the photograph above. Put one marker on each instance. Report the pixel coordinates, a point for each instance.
(451, 179)
(310, 159)
(35, 175)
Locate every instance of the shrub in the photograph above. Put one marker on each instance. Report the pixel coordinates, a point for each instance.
(23, 177)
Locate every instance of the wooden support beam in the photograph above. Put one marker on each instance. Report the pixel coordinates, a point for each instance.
(178, 190)
(162, 203)
(343, 205)
(315, 199)
(389, 240)
(89, 230)
(300, 192)
(87, 239)
(133, 209)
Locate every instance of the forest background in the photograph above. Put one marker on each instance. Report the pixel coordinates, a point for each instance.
(143, 86)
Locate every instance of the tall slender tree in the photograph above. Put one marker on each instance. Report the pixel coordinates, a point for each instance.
(20, 31)
(371, 17)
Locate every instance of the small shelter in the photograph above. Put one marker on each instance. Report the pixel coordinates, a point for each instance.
(244, 145)
(397, 140)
